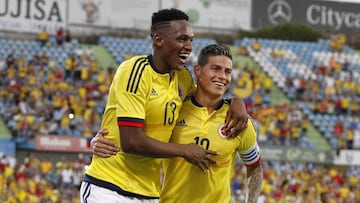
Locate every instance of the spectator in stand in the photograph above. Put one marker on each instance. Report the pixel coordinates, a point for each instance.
(46, 168)
(267, 83)
(329, 85)
(278, 52)
(345, 104)
(256, 46)
(337, 42)
(60, 36)
(349, 86)
(349, 138)
(43, 37)
(10, 60)
(66, 176)
(67, 39)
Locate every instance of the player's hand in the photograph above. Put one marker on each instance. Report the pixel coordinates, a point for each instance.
(101, 146)
(236, 118)
(199, 156)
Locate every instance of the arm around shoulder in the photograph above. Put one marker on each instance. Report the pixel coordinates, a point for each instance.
(135, 141)
(237, 117)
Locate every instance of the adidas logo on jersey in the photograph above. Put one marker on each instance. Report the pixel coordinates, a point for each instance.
(153, 92)
(181, 123)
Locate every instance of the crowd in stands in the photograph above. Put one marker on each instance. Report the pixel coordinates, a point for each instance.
(40, 181)
(302, 183)
(283, 124)
(40, 96)
(325, 85)
(35, 180)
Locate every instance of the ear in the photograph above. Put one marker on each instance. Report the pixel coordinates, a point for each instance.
(197, 70)
(157, 39)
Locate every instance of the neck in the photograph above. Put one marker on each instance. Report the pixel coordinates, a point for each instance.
(211, 103)
(159, 64)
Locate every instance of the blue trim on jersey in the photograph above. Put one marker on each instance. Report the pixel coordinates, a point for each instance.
(113, 187)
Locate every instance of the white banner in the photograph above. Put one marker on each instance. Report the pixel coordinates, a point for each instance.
(112, 13)
(219, 14)
(348, 158)
(32, 15)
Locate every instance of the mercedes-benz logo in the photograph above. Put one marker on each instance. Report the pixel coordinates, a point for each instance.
(279, 11)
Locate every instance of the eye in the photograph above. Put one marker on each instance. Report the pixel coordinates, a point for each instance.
(185, 39)
(182, 38)
(216, 68)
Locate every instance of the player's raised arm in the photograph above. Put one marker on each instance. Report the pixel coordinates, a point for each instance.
(236, 118)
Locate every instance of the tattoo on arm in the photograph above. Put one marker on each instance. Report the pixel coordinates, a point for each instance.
(254, 180)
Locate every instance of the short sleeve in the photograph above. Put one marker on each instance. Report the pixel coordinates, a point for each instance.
(249, 150)
(130, 91)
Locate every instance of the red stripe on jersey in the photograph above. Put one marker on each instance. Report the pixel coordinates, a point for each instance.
(130, 124)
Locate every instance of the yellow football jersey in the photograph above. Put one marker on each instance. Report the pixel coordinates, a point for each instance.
(184, 182)
(139, 96)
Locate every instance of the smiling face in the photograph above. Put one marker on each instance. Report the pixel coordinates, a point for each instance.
(214, 77)
(173, 45)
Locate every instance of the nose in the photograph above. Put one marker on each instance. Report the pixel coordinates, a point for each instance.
(188, 45)
(222, 74)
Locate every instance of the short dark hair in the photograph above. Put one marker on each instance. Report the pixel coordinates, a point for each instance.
(213, 50)
(164, 16)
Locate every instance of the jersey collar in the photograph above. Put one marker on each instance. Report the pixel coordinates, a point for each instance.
(193, 100)
(152, 64)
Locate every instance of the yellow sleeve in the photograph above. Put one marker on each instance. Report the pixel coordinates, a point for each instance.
(249, 150)
(130, 88)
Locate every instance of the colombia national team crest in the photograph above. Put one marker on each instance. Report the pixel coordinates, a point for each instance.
(222, 131)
